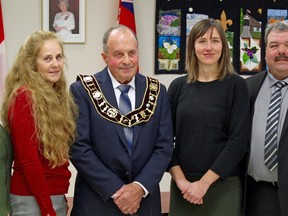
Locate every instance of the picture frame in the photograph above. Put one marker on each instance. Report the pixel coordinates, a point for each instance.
(68, 24)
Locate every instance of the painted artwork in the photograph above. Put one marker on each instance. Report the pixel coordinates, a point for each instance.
(169, 52)
(250, 43)
(169, 31)
(192, 18)
(226, 22)
(276, 15)
(243, 22)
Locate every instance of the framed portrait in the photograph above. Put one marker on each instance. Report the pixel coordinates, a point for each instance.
(66, 18)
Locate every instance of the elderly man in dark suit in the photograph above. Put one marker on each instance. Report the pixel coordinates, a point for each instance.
(267, 179)
(120, 157)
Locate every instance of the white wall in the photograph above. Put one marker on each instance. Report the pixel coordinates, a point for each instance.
(22, 17)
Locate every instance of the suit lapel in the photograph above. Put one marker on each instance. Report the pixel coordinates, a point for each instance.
(106, 86)
(285, 126)
(254, 89)
(140, 83)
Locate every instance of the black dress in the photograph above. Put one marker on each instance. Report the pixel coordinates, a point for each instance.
(211, 129)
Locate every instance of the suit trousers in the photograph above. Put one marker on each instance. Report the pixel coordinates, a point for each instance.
(261, 198)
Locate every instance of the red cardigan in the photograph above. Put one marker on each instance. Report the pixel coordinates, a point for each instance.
(32, 175)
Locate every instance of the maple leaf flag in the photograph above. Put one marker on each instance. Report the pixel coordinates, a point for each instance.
(3, 65)
(126, 14)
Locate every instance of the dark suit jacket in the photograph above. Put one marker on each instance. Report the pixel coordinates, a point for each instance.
(6, 158)
(101, 157)
(254, 84)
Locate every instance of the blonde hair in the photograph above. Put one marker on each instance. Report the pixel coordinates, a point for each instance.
(53, 108)
(225, 66)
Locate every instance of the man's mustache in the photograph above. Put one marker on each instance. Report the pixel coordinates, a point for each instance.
(281, 57)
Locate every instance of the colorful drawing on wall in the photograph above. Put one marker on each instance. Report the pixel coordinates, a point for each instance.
(230, 38)
(191, 19)
(168, 52)
(226, 22)
(169, 22)
(169, 31)
(250, 43)
(244, 22)
(276, 15)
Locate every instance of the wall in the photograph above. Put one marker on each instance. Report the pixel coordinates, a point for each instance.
(23, 17)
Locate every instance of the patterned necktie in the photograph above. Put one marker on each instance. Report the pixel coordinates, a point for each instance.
(270, 147)
(125, 107)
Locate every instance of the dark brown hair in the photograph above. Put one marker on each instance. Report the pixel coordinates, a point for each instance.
(192, 65)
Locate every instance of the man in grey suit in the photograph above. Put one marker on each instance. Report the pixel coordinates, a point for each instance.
(267, 179)
(120, 158)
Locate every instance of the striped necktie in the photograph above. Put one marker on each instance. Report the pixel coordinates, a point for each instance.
(270, 147)
(125, 107)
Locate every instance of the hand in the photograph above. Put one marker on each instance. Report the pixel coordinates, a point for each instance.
(182, 184)
(195, 192)
(128, 198)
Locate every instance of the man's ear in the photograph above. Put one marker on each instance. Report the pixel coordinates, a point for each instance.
(104, 56)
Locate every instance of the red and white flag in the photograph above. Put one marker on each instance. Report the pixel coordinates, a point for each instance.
(3, 63)
(126, 14)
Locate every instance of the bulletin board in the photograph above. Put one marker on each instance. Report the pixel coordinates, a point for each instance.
(244, 23)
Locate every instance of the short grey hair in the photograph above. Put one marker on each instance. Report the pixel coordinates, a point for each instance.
(110, 30)
(281, 26)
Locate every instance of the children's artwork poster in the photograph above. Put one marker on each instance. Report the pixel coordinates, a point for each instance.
(276, 15)
(244, 23)
(225, 12)
(191, 19)
(250, 42)
(169, 41)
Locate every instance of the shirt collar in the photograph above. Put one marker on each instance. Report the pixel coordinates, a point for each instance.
(115, 83)
(272, 80)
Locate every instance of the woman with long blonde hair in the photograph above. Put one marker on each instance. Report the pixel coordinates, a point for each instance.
(40, 114)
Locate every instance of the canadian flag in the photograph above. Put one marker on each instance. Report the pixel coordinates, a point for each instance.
(3, 64)
(126, 14)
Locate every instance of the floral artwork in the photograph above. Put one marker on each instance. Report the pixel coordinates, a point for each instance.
(169, 30)
(242, 21)
(250, 43)
(169, 23)
(169, 52)
(250, 54)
